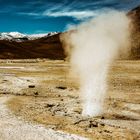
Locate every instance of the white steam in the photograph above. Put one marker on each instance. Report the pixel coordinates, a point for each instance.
(92, 47)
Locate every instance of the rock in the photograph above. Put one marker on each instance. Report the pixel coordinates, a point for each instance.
(35, 93)
(49, 105)
(107, 131)
(5, 80)
(102, 117)
(31, 86)
(93, 124)
(61, 87)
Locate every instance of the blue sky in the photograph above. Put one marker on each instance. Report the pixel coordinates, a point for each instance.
(41, 16)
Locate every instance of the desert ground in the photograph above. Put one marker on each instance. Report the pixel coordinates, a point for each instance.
(41, 94)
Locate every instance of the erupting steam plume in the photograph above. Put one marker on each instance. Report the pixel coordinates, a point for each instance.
(91, 47)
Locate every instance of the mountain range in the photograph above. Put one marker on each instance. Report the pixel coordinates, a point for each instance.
(19, 37)
(45, 47)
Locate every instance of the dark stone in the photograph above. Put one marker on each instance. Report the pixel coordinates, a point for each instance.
(107, 131)
(102, 124)
(102, 117)
(5, 80)
(61, 87)
(93, 124)
(49, 105)
(35, 93)
(31, 86)
(24, 94)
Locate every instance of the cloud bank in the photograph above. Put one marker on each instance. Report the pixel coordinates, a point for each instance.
(77, 9)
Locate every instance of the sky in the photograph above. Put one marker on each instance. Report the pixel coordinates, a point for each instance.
(42, 16)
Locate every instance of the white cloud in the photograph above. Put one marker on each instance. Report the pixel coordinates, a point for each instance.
(75, 14)
(68, 10)
(30, 14)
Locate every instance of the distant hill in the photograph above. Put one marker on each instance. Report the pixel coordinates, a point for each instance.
(45, 47)
(135, 36)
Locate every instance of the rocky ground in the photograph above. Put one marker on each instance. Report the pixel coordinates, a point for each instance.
(42, 92)
(13, 128)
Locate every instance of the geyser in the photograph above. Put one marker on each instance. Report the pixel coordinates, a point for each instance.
(91, 48)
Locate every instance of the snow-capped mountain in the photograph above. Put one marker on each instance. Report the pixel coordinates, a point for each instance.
(37, 36)
(19, 37)
(16, 34)
(11, 36)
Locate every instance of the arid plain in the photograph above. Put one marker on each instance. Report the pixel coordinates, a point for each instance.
(42, 91)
